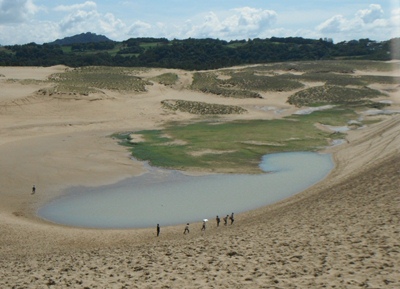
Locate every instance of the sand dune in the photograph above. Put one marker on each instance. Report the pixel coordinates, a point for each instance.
(341, 233)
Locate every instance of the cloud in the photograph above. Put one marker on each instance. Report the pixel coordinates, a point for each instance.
(16, 11)
(21, 22)
(246, 21)
(255, 18)
(79, 20)
(140, 29)
(371, 14)
(241, 23)
(85, 17)
(75, 19)
(395, 22)
(396, 17)
(44, 31)
(366, 22)
(111, 25)
(333, 25)
(88, 5)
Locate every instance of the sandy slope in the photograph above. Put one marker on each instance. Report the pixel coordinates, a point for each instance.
(343, 232)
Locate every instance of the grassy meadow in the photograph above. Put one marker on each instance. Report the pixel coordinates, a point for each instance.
(220, 146)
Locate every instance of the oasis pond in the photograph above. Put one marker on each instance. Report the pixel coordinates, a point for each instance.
(169, 197)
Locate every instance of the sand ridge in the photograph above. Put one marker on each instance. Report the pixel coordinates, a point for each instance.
(342, 232)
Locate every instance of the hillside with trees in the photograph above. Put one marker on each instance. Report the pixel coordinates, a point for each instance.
(82, 38)
(191, 54)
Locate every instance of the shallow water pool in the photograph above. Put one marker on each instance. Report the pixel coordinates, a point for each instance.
(169, 197)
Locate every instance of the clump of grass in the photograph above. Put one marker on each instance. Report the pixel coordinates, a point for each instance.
(202, 108)
(166, 78)
(25, 81)
(325, 66)
(331, 78)
(95, 78)
(242, 84)
(249, 80)
(330, 94)
(381, 79)
(64, 89)
(209, 83)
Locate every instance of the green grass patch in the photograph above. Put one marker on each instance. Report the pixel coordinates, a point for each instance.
(239, 144)
(337, 116)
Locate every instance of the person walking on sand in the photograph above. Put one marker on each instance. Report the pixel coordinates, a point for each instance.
(231, 218)
(158, 230)
(218, 220)
(203, 228)
(33, 189)
(226, 220)
(186, 229)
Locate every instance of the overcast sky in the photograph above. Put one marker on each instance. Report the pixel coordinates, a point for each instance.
(39, 21)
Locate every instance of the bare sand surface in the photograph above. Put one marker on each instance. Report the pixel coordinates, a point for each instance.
(341, 233)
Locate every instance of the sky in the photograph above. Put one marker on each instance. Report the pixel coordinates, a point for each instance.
(41, 21)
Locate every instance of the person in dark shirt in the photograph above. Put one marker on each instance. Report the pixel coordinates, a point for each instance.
(203, 228)
(186, 229)
(226, 220)
(231, 218)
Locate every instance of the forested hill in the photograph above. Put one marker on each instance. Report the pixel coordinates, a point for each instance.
(194, 54)
(87, 37)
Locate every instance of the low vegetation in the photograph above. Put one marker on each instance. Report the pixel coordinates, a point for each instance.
(92, 79)
(241, 84)
(331, 94)
(214, 145)
(201, 108)
(209, 82)
(252, 81)
(220, 146)
(333, 66)
(166, 78)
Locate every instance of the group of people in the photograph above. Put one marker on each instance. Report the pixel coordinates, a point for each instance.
(231, 219)
(203, 227)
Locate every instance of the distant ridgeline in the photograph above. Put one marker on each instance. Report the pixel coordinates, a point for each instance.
(81, 39)
(193, 54)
